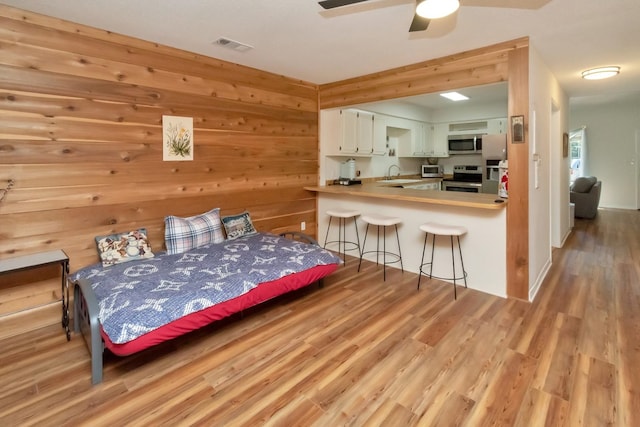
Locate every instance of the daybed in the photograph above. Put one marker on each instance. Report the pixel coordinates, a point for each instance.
(131, 306)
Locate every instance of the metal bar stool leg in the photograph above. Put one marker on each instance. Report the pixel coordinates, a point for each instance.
(341, 239)
(355, 225)
(424, 247)
(378, 245)
(364, 242)
(464, 272)
(399, 251)
(433, 248)
(384, 252)
(453, 262)
(326, 236)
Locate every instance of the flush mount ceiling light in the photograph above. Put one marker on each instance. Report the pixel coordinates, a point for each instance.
(600, 73)
(454, 96)
(434, 9)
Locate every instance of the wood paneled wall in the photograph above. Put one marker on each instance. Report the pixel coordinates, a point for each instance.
(81, 141)
(508, 61)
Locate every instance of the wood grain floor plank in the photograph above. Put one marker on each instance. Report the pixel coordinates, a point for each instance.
(502, 400)
(366, 352)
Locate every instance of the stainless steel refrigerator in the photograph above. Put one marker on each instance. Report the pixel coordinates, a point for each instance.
(494, 149)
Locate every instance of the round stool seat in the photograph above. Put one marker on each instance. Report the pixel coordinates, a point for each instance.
(443, 229)
(343, 213)
(452, 231)
(381, 220)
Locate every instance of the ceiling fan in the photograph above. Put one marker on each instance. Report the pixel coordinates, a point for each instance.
(426, 10)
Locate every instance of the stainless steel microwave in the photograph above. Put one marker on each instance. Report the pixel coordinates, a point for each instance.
(432, 171)
(465, 144)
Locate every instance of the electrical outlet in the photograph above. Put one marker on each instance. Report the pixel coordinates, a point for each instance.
(303, 226)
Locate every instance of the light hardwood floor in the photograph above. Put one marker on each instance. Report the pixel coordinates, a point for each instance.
(366, 352)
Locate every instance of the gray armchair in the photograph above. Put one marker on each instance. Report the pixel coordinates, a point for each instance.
(585, 194)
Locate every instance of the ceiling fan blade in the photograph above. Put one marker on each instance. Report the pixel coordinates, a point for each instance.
(513, 4)
(330, 4)
(419, 23)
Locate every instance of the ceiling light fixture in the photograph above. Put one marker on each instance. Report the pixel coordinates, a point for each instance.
(454, 96)
(434, 9)
(600, 73)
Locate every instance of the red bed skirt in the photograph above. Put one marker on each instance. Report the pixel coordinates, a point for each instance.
(198, 319)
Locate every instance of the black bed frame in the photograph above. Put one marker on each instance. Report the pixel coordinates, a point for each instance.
(86, 309)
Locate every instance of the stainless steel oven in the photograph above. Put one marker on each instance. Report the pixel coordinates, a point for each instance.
(466, 179)
(463, 187)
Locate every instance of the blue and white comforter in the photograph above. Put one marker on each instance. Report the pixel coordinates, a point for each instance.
(140, 296)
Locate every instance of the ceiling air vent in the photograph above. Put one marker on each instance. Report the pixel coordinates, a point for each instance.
(232, 44)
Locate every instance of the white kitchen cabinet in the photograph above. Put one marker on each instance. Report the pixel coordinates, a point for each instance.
(420, 143)
(364, 134)
(330, 132)
(350, 128)
(439, 140)
(497, 126)
(379, 135)
(347, 132)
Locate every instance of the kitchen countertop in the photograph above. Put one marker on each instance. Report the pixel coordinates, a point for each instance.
(386, 191)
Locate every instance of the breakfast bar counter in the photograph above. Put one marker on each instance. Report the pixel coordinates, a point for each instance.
(386, 191)
(483, 247)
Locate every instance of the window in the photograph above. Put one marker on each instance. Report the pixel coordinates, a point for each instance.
(577, 152)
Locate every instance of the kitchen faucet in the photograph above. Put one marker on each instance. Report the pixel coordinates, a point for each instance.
(389, 171)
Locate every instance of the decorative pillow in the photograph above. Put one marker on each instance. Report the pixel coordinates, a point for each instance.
(182, 234)
(583, 184)
(238, 225)
(123, 247)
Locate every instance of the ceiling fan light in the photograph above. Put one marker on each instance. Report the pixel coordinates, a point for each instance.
(434, 9)
(600, 73)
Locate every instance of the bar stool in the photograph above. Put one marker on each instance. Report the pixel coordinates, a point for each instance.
(452, 231)
(343, 215)
(384, 222)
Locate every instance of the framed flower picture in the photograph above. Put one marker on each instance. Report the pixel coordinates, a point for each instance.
(177, 138)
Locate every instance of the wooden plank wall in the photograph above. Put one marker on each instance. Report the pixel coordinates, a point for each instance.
(81, 140)
(506, 61)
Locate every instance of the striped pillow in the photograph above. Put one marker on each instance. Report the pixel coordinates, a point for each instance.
(183, 234)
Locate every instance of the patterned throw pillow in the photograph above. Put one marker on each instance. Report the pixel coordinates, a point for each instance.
(183, 234)
(238, 225)
(123, 247)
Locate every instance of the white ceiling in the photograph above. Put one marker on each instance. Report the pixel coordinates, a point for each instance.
(299, 39)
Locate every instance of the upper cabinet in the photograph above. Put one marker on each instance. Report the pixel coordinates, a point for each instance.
(357, 133)
(497, 126)
(348, 132)
(488, 126)
(419, 141)
(379, 135)
(440, 146)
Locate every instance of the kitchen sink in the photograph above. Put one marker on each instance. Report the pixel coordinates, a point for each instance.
(398, 181)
